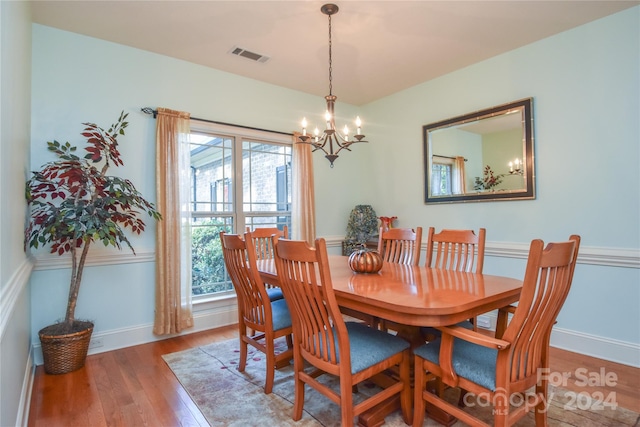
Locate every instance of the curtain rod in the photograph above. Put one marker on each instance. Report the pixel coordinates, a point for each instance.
(149, 110)
(445, 157)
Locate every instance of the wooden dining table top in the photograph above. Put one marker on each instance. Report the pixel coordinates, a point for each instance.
(413, 295)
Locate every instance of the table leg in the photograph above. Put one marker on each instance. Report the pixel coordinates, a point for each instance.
(375, 416)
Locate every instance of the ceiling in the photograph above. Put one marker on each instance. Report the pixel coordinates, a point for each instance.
(379, 47)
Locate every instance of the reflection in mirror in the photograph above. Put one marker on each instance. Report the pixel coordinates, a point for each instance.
(485, 155)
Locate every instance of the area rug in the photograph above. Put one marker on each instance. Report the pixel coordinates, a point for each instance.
(227, 397)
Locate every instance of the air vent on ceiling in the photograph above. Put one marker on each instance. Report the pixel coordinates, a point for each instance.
(249, 55)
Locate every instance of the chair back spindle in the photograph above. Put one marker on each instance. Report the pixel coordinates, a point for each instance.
(458, 250)
(263, 247)
(400, 245)
(261, 238)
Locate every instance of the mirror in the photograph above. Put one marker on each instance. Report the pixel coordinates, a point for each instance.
(481, 156)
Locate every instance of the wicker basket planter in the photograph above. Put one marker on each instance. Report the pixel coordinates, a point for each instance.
(65, 353)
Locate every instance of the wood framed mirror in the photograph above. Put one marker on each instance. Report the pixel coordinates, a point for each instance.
(481, 156)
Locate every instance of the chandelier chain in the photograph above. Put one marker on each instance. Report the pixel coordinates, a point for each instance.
(330, 61)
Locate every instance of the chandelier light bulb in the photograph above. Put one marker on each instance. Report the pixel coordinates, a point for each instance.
(327, 118)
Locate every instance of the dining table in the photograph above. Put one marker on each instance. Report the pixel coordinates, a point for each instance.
(412, 298)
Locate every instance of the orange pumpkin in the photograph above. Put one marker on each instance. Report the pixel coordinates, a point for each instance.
(365, 261)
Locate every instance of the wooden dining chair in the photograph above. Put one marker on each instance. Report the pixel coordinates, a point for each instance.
(456, 250)
(349, 351)
(497, 368)
(261, 238)
(260, 320)
(400, 245)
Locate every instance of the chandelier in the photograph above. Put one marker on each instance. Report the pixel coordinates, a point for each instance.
(331, 141)
(516, 167)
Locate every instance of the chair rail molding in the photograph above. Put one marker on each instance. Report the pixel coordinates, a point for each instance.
(10, 292)
(611, 257)
(592, 255)
(48, 261)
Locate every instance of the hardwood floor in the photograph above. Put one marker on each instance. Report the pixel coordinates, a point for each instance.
(134, 387)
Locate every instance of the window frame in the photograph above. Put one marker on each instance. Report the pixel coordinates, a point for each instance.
(448, 162)
(239, 135)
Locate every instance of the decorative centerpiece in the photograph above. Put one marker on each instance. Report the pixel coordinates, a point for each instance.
(386, 222)
(365, 260)
(362, 226)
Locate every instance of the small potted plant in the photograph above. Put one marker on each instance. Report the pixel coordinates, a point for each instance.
(73, 203)
(489, 179)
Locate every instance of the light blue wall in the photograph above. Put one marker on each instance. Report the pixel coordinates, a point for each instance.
(77, 79)
(585, 86)
(15, 341)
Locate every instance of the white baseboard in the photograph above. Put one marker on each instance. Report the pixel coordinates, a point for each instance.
(22, 417)
(591, 345)
(127, 337)
(602, 348)
(610, 257)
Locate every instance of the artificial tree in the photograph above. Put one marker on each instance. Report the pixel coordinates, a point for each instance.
(73, 203)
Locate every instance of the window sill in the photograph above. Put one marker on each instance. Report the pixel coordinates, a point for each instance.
(209, 302)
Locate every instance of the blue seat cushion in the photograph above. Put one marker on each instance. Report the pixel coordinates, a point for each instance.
(471, 361)
(280, 314)
(275, 294)
(370, 346)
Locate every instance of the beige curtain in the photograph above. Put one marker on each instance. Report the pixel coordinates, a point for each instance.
(173, 311)
(458, 186)
(303, 206)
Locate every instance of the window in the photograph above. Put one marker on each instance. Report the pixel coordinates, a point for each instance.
(239, 177)
(440, 179)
